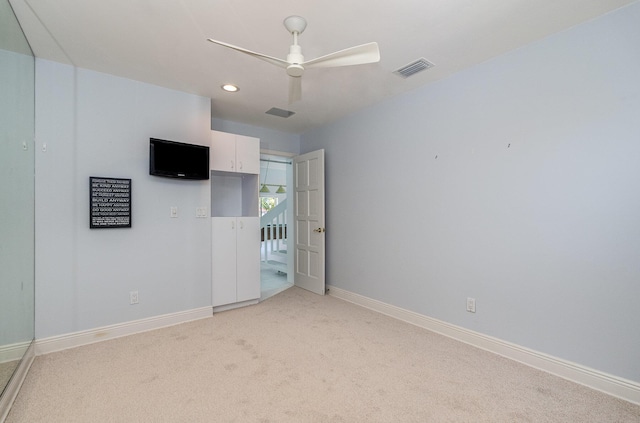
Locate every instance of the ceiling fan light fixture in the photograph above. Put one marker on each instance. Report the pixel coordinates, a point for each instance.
(230, 88)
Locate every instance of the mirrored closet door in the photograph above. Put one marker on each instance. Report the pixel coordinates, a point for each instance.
(17, 148)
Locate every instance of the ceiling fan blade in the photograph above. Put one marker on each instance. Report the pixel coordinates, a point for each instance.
(359, 55)
(295, 88)
(273, 60)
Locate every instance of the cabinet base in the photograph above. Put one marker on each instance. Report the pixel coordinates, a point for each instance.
(217, 309)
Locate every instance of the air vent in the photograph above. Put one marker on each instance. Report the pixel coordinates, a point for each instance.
(280, 112)
(414, 67)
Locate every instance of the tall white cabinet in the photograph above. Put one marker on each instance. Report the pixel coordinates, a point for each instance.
(235, 224)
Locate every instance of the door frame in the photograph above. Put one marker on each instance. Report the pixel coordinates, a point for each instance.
(290, 233)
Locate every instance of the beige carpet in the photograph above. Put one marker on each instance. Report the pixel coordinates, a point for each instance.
(6, 371)
(299, 357)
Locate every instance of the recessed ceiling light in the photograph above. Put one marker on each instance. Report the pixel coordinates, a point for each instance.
(230, 88)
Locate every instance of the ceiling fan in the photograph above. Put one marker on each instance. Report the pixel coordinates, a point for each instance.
(295, 63)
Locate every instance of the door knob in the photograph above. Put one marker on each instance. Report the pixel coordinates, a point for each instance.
(319, 230)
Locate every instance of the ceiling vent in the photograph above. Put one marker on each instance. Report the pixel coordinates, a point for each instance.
(280, 112)
(414, 67)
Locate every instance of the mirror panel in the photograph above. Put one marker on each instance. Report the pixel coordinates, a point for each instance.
(17, 154)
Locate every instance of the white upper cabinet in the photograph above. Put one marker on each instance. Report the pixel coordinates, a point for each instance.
(234, 153)
(248, 154)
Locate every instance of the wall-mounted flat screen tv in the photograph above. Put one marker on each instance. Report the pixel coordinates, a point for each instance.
(173, 159)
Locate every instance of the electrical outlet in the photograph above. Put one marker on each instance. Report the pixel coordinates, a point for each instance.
(173, 211)
(471, 305)
(201, 212)
(133, 297)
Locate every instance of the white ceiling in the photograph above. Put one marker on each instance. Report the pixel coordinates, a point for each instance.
(163, 42)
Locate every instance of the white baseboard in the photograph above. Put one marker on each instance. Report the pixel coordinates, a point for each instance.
(76, 339)
(13, 352)
(13, 387)
(618, 387)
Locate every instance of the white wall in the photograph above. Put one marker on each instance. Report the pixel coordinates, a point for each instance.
(95, 124)
(532, 205)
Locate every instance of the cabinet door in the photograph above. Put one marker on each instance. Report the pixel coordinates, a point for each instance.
(247, 154)
(248, 258)
(223, 261)
(222, 152)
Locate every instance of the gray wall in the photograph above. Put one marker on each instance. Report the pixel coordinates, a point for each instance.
(95, 124)
(532, 205)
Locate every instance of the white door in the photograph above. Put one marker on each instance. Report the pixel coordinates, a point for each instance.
(308, 181)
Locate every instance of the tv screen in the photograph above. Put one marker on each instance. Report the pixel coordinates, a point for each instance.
(178, 160)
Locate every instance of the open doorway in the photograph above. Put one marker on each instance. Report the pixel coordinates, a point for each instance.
(275, 211)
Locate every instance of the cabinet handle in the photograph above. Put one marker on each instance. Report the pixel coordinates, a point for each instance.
(240, 165)
(241, 225)
(231, 164)
(233, 224)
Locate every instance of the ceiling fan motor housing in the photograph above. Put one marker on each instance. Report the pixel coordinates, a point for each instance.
(295, 58)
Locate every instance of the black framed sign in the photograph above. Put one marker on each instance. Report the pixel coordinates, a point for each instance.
(109, 202)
